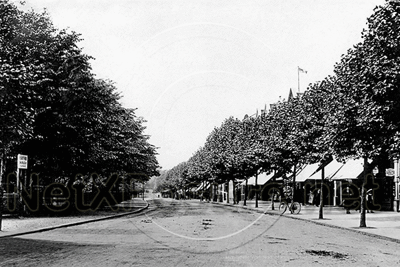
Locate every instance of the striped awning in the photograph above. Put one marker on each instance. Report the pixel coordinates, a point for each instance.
(262, 178)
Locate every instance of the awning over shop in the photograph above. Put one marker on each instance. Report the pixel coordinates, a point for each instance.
(199, 187)
(203, 186)
(351, 169)
(207, 186)
(306, 172)
(333, 171)
(261, 179)
(330, 170)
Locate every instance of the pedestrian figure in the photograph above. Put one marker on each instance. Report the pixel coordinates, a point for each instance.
(347, 201)
(311, 198)
(346, 205)
(317, 197)
(370, 200)
(238, 196)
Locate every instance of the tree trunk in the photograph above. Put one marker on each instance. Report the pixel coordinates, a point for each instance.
(273, 192)
(227, 192)
(143, 192)
(1, 210)
(1, 204)
(362, 208)
(201, 193)
(256, 185)
(294, 183)
(245, 194)
(1, 189)
(1, 168)
(234, 192)
(321, 201)
(211, 189)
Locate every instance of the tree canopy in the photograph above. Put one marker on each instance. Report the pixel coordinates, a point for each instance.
(56, 111)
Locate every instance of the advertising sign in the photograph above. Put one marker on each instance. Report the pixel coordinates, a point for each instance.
(22, 161)
(390, 172)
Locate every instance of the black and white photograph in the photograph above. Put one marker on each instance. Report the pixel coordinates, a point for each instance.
(199, 133)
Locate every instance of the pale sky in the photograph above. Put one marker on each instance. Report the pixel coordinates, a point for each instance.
(187, 65)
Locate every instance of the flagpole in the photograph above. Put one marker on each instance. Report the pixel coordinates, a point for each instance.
(298, 79)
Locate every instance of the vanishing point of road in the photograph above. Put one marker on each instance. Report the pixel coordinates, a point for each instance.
(193, 233)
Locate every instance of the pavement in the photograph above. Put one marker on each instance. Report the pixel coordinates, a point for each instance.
(17, 226)
(380, 224)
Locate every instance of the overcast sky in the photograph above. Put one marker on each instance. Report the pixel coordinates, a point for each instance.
(188, 65)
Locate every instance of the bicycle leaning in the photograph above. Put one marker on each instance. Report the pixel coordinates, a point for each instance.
(294, 207)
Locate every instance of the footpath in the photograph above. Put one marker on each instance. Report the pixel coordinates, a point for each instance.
(381, 224)
(16, 226)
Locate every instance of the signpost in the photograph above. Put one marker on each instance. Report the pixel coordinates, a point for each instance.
(22, 161)
(22, 164)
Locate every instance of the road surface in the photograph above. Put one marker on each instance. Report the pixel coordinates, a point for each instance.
(194, 233)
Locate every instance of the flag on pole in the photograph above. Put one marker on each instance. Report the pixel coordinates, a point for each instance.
(301, 70)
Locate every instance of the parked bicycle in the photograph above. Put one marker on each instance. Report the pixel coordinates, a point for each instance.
(294, 207)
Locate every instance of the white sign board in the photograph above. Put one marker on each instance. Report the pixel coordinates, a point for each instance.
(390, 172)
(22, 161)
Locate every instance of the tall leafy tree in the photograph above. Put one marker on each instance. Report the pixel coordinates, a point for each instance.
(285, 147)
(317, 107)
(253, 157)
(198, 167)
(177, 178)
(367, 86)
(38, 64)
(54, 110)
